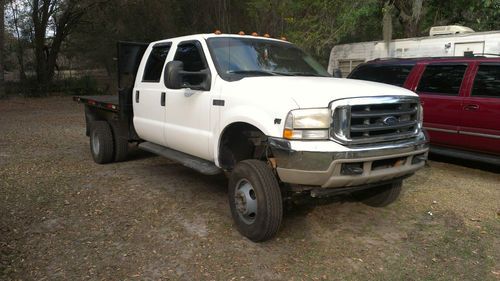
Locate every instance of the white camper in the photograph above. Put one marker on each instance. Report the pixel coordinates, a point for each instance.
(443, 42)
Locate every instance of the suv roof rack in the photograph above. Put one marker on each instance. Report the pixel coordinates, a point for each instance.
(475, 56)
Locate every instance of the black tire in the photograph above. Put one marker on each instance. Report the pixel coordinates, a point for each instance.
(380, 196)
(120, 142)
(101, 142)
(264, 197)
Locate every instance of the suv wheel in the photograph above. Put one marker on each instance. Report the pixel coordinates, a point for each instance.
(380, 196)
(255, 200)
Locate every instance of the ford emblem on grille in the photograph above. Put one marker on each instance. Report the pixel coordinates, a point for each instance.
(390, 120)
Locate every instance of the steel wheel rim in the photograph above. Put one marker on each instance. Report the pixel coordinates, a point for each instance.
(95, 143)
(245, 201)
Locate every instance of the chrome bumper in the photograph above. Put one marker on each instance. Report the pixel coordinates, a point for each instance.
(322, 163)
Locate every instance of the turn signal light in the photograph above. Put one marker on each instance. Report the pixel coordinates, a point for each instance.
(288, 134)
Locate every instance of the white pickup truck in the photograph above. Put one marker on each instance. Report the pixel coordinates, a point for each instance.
(264, 113)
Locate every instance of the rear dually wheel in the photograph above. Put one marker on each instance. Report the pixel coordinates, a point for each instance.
(101, 142)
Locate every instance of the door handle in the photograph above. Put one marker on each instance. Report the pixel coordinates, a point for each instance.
(137, 97)
(163, 99)
(471, 107)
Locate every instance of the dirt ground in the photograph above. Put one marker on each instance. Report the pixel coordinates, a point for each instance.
(63, 217)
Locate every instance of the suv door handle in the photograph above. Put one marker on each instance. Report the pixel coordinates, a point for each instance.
(163, 94)
(137, 96)
(471, 107)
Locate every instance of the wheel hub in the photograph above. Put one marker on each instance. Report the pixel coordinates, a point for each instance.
(95, 143)
(246, 201)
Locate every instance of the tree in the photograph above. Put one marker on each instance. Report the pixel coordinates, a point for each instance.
(58, 18)
(480, 15)
(317, 25)
(18, 23)
(410, 13)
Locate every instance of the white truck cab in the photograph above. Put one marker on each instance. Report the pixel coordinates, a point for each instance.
(269, 116)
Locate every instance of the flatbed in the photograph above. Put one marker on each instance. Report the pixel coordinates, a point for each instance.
(107, 102)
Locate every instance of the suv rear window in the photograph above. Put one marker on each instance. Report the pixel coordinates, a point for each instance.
(389, 74)
(487, 82)
(442, 79)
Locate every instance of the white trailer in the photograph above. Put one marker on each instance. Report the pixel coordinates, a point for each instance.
(347, 56)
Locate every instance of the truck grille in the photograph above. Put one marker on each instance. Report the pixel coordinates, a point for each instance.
(377, 119)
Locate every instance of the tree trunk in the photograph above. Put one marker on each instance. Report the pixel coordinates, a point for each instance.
(2, 33)
(20, 47)
(410, 15)
(40, 20)
(387, 26)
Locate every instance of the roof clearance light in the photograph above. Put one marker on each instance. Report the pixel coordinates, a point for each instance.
(283, 38)
(267, 35)
(218, 32)
(255, 34)
(241, 33)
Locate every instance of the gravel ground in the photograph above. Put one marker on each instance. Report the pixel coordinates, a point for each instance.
(62, 217)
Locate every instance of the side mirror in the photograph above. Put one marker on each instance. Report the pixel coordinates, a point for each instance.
(172, 77)
(176, 77)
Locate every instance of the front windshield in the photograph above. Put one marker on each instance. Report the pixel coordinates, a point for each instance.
(236, 58)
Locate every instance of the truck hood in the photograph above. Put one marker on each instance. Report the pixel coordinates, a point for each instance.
(310, 92)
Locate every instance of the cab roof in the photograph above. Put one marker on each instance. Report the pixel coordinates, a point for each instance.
(213, 35)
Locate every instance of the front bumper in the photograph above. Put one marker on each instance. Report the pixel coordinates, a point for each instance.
(325, 163)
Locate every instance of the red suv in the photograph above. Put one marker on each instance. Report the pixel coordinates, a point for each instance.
(460, 96)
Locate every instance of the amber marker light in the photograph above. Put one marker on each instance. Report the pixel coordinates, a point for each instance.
(267, 35)
(241, 33)
(217, 32)
(255, 34)
(288, 134)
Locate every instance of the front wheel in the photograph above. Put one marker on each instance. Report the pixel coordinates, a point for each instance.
(380, 196)
(255, 200)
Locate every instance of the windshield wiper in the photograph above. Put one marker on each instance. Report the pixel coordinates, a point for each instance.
(259, 72)
(306, 74)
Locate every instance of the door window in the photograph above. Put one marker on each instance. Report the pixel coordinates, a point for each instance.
(191, 55)
(154, 65)
(487, 82)
(442, 79)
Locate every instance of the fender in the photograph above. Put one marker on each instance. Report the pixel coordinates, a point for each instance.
(251, 115)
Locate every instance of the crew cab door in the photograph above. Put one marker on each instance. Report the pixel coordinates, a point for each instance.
(441, 93)
(149, 95)
(188, 112)
(480, 113)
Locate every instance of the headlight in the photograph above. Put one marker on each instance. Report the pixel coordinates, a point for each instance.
(312, 124)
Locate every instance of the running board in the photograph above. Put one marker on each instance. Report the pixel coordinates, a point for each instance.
(201, 165)
(474, 156)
